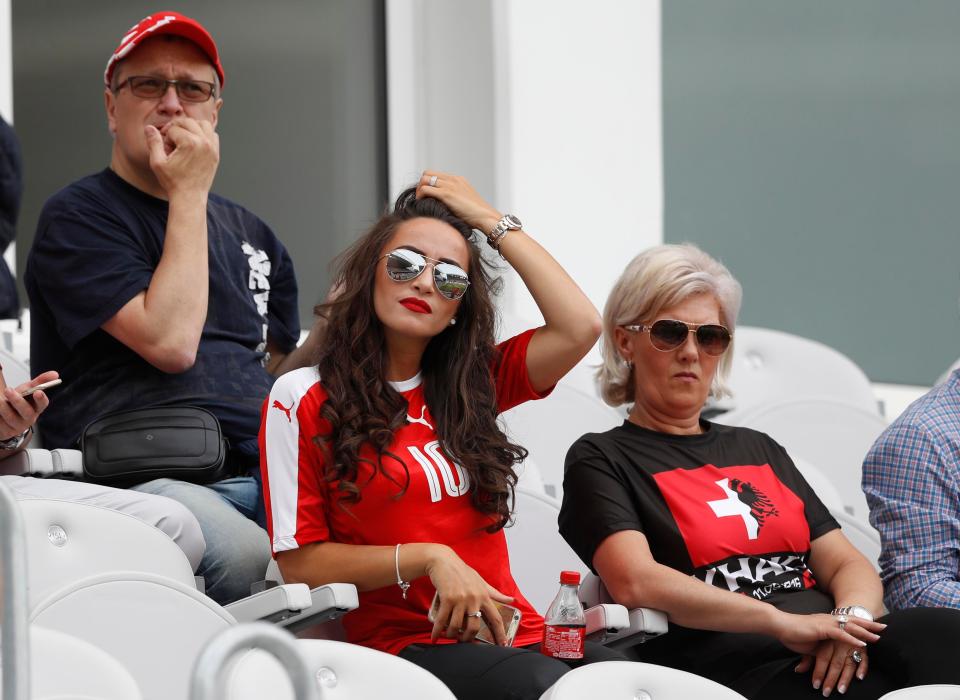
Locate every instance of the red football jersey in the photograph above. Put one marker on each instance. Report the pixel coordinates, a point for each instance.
(436, 506)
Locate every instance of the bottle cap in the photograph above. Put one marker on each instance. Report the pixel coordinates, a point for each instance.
(570, 577)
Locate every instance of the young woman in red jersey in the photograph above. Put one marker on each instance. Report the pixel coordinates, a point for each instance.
(384, 466)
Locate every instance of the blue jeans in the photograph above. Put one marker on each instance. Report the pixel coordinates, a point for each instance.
(238, 550)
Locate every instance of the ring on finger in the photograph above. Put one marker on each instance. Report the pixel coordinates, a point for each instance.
(433, 180)
(842, 621)
(856, 656)
(475, 614)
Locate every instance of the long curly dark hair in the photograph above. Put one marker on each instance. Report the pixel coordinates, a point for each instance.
(362, 407)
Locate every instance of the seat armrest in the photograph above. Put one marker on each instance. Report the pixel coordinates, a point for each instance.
(68, 462)
(25, 462)
(328, 602)
(272, 605)
(645, 623)
(604, 619)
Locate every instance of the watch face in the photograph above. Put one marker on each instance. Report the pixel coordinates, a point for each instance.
(512, 221)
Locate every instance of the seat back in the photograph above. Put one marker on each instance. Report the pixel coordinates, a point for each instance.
(771, 365)
(63, 666)
(925, 692)
(15, 370)
(833, 435)
(548, 427)
(69, 541)
(154, 626)
(861, 535)
(341, 671)
(820, 483)
(214, 678)
(633, 679)
(537, 551)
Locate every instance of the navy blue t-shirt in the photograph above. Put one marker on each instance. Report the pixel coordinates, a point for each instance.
(97, 245)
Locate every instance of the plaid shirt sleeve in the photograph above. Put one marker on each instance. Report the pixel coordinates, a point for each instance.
(910, 478)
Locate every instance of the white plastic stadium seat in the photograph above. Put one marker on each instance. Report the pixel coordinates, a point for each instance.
(547, 428)
(124, 586)
(62, 666)
(537, 551)
(341, 670)
(833, 435)
(69, 541)
(632, 680)
(820, 483)
(771, 365)
(925, 692)
(218, 660)
(153, 625)
(537, 556)
(15, 370)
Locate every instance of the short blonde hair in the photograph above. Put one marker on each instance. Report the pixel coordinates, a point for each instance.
(659, 278)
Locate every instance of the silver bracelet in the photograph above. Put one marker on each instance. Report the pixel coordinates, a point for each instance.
(855, 611)
(404, 585)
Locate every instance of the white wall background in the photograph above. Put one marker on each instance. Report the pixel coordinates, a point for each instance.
(551, 110)
(6, 92)
(6, 61)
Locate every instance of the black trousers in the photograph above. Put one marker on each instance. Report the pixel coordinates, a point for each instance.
(920, 646)
(487, 672)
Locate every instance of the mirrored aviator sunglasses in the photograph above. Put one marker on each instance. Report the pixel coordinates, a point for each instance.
(404, 265)
(668, 334)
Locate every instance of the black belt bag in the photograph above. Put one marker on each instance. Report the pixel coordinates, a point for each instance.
(177, 442)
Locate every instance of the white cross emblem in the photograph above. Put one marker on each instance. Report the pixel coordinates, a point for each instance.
(732, 505)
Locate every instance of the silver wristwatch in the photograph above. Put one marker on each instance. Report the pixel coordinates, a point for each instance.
(855, 611)
(507, 223)
(14, 443)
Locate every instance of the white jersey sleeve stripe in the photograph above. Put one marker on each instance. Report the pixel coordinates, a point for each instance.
(282, 446)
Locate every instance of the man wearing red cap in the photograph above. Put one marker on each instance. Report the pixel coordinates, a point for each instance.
(147, 289)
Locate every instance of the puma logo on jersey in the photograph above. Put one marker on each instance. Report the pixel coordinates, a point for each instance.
(277, 404)
(421, 420)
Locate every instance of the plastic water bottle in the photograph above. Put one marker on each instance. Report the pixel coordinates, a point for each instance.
(564, 624)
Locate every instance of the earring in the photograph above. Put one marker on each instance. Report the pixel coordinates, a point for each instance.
(453, 321)
(628, 363)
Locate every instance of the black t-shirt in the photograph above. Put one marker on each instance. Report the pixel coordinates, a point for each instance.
(97, 245)
(727, 506)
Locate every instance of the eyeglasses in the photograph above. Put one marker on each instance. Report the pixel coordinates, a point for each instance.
(668, 334)
(151, 87)
(404, 265)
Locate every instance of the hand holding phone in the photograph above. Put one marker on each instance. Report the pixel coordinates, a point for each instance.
(38, 387)
(509, 615)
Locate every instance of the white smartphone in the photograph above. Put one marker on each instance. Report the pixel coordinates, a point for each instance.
(508, 614)
(46, 385)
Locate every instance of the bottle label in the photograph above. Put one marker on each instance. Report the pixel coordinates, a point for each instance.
(563, 641)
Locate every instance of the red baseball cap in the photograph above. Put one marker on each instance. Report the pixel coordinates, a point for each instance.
(165, 23)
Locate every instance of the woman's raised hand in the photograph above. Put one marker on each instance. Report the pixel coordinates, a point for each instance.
(463, 593)
(459, 195)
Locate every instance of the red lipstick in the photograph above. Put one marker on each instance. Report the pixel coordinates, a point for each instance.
(417, 305)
